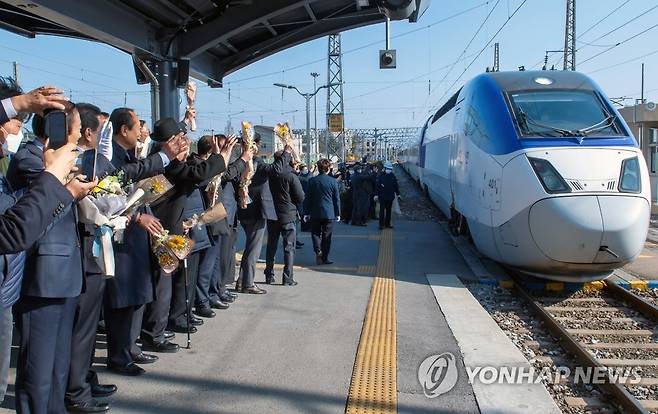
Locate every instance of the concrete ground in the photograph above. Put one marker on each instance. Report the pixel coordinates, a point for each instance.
(293, 349)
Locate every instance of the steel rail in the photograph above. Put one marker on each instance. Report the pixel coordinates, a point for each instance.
(572, 345)
(647, 309)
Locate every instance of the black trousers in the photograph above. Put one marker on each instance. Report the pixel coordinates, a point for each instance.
(45, 327)
(156, 313)
(178, 309)
(385, 207)
(288, 232)
(123, 326)
(83, 342)
(321, 230)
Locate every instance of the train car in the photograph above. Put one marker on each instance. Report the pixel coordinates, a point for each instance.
(541, 171)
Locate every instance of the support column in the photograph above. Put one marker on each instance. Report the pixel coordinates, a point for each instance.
(168, 97)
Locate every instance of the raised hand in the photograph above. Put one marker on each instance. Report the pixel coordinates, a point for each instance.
(173, 147)
(60, 162)
(40, 99)
(227, 148)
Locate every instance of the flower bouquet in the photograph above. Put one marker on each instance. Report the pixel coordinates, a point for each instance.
(283, 132)
(243, 188)
(171, 249)
(103, 209)
(155, 188)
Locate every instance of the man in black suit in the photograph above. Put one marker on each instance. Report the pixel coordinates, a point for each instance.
(23, 220)
(186, 174)
(208, 282)
(323, 205)
(254, 218)
(51, 286)
(288, 194)
(132, 286)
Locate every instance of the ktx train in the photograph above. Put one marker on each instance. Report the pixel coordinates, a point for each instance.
(542, 172)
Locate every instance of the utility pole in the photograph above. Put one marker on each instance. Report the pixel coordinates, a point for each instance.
(496, 64)
(16, 72)
(316, 143)
(570, 37)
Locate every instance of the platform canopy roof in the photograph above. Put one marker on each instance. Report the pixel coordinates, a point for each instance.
(218, 36)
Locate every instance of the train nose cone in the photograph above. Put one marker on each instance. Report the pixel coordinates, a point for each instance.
(590, 229)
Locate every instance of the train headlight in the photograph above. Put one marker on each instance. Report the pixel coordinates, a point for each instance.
(550, 179)
(629, 182)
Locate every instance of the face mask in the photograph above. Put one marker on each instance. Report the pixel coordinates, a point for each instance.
(388, 171)
(304, 171)
(13, 142)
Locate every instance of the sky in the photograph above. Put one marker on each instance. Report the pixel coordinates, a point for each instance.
(452, 43)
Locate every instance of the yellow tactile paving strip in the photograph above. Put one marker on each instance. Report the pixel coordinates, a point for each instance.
(374, 379)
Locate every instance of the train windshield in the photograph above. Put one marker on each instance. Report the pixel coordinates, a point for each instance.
(568, 113)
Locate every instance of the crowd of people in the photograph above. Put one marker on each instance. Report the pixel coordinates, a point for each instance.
(52, 288)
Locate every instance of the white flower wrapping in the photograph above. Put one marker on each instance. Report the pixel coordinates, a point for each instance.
(104, 214)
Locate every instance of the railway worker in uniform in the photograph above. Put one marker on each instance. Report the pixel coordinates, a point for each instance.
(323, 204)
(387, 190)
(360, 197)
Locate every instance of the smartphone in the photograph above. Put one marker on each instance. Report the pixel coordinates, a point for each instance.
(56, 129)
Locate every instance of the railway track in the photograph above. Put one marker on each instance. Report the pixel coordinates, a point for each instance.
(610, 331)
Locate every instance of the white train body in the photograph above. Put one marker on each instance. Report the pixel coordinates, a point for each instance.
(562, 203)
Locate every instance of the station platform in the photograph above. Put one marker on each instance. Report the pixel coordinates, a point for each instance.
(349, 338)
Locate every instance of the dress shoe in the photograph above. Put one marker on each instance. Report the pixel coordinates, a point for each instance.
(145, 359)
(254, 290)
(181, 328)
(299, 244)
(219, 304)
(130, 370)
(269, 279)
(226, 298)
(327, 261)
(318, 258)
(196, 321)
(234, 295)
(164, 347)
(169, 335)
(91, 406)
(204, 312)
(103, 390)
(292, 283)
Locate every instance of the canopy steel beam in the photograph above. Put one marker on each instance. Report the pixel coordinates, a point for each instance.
(98, 20)
(232, 22)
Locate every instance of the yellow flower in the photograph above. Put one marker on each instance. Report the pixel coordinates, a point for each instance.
(157, 188)
(177, 242)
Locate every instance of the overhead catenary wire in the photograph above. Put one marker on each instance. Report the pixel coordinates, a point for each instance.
(620, 43)
(500, 29)
(623, 25)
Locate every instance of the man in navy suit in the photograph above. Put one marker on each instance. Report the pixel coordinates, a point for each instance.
(23, 220)
(51, 286)
(323, 204)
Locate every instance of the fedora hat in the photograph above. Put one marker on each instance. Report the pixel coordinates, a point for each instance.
(166, 128)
